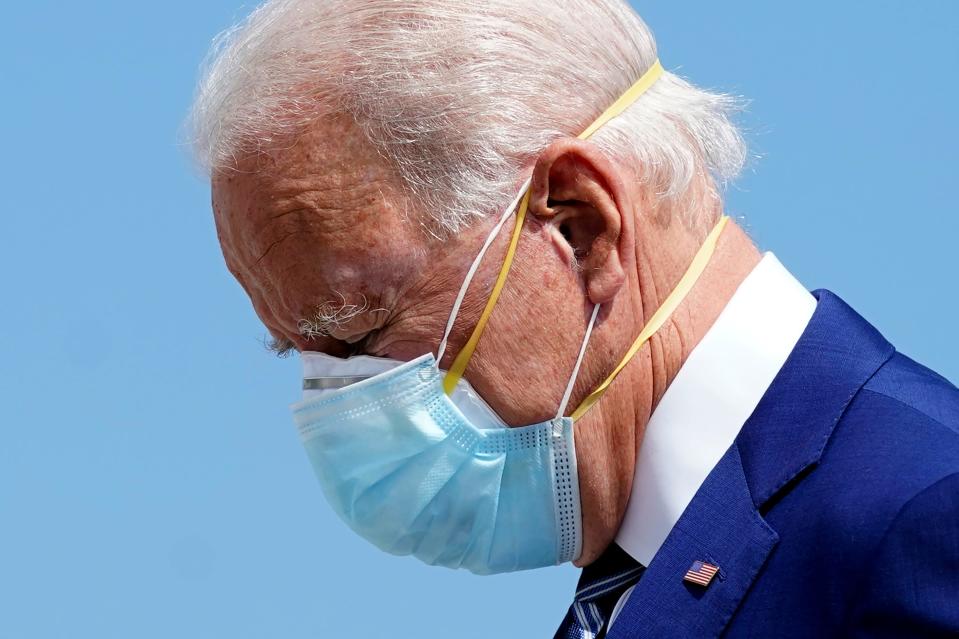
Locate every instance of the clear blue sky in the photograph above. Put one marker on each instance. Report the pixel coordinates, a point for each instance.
(151, 484)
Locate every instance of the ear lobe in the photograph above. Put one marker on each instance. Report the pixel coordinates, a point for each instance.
(604, 274)
(578, 194)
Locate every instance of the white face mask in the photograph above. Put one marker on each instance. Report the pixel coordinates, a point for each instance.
(323, 374)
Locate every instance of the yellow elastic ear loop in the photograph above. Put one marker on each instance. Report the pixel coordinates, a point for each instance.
(455, 373)
(626, 100)
(673, 300)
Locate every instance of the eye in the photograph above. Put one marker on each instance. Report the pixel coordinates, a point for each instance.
(356, 348)
(358, 345)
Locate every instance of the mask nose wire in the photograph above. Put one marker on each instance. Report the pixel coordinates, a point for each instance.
(471, 273)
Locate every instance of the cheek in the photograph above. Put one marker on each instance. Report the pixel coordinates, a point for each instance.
(527, 354)
(405, 350)
(419, 317)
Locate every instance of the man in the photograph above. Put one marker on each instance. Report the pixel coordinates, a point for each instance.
(747, 459)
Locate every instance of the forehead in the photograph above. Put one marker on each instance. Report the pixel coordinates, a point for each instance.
(329, 169)
(323, 212)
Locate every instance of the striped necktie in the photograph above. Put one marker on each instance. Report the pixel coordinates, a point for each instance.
(600, 586)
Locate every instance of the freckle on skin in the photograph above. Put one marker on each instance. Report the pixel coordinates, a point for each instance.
(548, 280)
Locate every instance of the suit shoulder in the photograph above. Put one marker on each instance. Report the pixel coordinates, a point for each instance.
(898, 436)
(914, 386)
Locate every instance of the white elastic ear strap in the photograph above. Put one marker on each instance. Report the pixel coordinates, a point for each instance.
(475, 265)
(471, 273)
(579, 360)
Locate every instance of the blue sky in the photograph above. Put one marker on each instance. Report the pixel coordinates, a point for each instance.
(151, 484)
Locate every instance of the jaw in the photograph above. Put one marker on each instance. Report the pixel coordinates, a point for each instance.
(606, 462)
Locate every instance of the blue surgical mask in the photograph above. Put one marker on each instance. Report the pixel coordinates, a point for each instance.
(418, 472)
(413, 459)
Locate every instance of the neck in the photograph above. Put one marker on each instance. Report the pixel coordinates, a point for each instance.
(734, 258)
(606, 467)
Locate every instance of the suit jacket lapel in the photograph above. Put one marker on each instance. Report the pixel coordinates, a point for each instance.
(786, 434)
(789, 430)
(721, 527)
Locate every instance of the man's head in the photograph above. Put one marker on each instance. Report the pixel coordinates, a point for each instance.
(360, 151)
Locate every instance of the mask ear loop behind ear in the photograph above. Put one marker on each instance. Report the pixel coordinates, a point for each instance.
(662, 314)
(458, 367)
(579, 360)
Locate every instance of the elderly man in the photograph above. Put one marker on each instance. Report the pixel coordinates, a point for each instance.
(494, 232)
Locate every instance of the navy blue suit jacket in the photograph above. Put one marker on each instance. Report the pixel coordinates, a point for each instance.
(834, 514)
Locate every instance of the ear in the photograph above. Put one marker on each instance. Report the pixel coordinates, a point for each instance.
(579, 194)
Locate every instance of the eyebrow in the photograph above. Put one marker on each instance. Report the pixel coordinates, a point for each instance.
(332, 315)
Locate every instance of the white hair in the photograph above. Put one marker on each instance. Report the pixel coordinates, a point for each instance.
(332, 315)
(460, 95)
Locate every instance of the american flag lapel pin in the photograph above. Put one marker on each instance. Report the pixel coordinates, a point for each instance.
(700, 573)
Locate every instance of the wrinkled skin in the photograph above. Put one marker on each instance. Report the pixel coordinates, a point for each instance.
(324, 219)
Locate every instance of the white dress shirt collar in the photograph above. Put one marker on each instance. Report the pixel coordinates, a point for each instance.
(712, 396)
